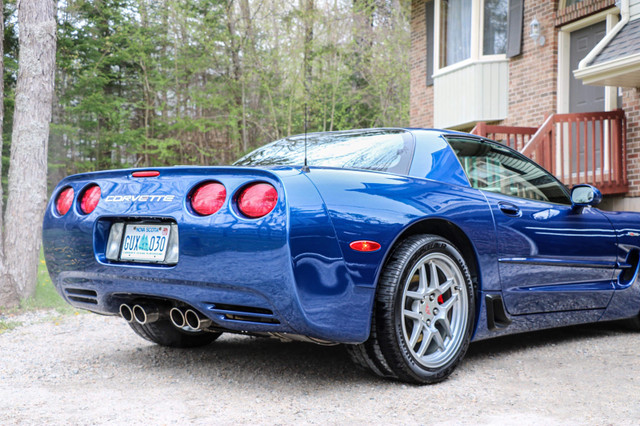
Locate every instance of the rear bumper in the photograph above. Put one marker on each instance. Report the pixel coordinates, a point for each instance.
(270, 307)
(234, 309)
(283, 273)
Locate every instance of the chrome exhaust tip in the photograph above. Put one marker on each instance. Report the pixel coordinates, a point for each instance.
(195, 320)
(126, 312)
(177, 317)
(145, 314)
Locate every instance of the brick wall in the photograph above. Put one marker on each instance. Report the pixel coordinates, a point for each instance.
(533, 75)
(421, 96)
(631, 200)
(533, 79)
(581, 10)
(631, 106)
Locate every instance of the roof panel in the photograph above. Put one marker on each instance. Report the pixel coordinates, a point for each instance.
(625, 43)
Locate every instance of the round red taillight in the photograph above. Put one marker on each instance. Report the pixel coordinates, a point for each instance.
(257, 200)
(64, 201)
(208, 198)
(90, 199)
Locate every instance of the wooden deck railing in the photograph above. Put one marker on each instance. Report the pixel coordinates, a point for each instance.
(577, 148)
(512, 136)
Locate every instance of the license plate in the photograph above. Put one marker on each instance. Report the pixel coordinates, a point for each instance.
(145, 242)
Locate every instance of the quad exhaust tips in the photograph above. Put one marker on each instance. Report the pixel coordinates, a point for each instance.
(145, 313)
(141, 313)
(188, 318)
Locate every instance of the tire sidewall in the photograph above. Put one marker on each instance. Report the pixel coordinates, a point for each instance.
(422, 373)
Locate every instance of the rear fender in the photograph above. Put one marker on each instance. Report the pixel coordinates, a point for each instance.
(385, 208)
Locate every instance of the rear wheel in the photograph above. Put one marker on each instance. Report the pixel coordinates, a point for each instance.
(425, 309)
(368, 355)
(164, 333)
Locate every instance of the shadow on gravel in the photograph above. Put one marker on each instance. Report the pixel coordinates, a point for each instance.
(248, 360)
(507, 345)
(241, 358)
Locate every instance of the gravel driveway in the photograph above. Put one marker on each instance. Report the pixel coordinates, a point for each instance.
(88, 369)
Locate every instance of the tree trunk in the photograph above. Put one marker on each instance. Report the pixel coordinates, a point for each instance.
(8, 295)
(363, 11)
(236, 73)
(28, 165)
(252, 67)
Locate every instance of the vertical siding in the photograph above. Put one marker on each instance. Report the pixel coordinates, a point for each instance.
(476, 92)
(634, 9)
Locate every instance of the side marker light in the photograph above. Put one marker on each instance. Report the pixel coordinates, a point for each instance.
(365, 245)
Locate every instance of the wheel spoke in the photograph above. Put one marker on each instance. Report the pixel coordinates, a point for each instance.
(411, 314)
(415, 333)
(433, 279)
(446, 306)
(438, 339)
(446, 325)
(423, 280)
(445, 286)
(415, 295)
(427, 336)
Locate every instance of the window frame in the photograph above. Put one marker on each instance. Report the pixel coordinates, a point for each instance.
(517, 155)
(477, 39)
(497, 55)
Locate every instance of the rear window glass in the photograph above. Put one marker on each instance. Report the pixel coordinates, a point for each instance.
(379, 150)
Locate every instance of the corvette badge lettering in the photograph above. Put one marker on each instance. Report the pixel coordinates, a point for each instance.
(143, 198)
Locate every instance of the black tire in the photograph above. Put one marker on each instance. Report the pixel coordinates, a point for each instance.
(163, 333)
(435, 312)
(368, 355)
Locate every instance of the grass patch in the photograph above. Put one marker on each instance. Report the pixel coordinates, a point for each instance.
(46, 296)
(8, 325)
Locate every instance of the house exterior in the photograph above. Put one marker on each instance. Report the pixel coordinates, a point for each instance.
(556, 79)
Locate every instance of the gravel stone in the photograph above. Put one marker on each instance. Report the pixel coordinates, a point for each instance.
(89, 369)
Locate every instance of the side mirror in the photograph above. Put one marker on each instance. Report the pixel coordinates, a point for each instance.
(585, 195)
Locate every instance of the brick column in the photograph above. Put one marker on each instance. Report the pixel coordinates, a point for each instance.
(533, 75)
(421, 96)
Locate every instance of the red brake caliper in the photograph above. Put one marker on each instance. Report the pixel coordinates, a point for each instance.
(440, 300)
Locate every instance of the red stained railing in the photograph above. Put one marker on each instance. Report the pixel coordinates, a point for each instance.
(577, 148)
(512, 136)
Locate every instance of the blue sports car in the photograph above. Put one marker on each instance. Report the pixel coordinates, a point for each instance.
(403, 244)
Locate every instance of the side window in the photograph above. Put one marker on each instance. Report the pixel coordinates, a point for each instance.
(493, 168)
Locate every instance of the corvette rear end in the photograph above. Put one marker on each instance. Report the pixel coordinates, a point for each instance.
(204, 250)
(406, 244)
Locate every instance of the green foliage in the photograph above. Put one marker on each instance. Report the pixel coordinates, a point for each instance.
(46, 296)
(163, 82)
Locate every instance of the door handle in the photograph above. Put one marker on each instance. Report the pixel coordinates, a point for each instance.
(509, 209)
